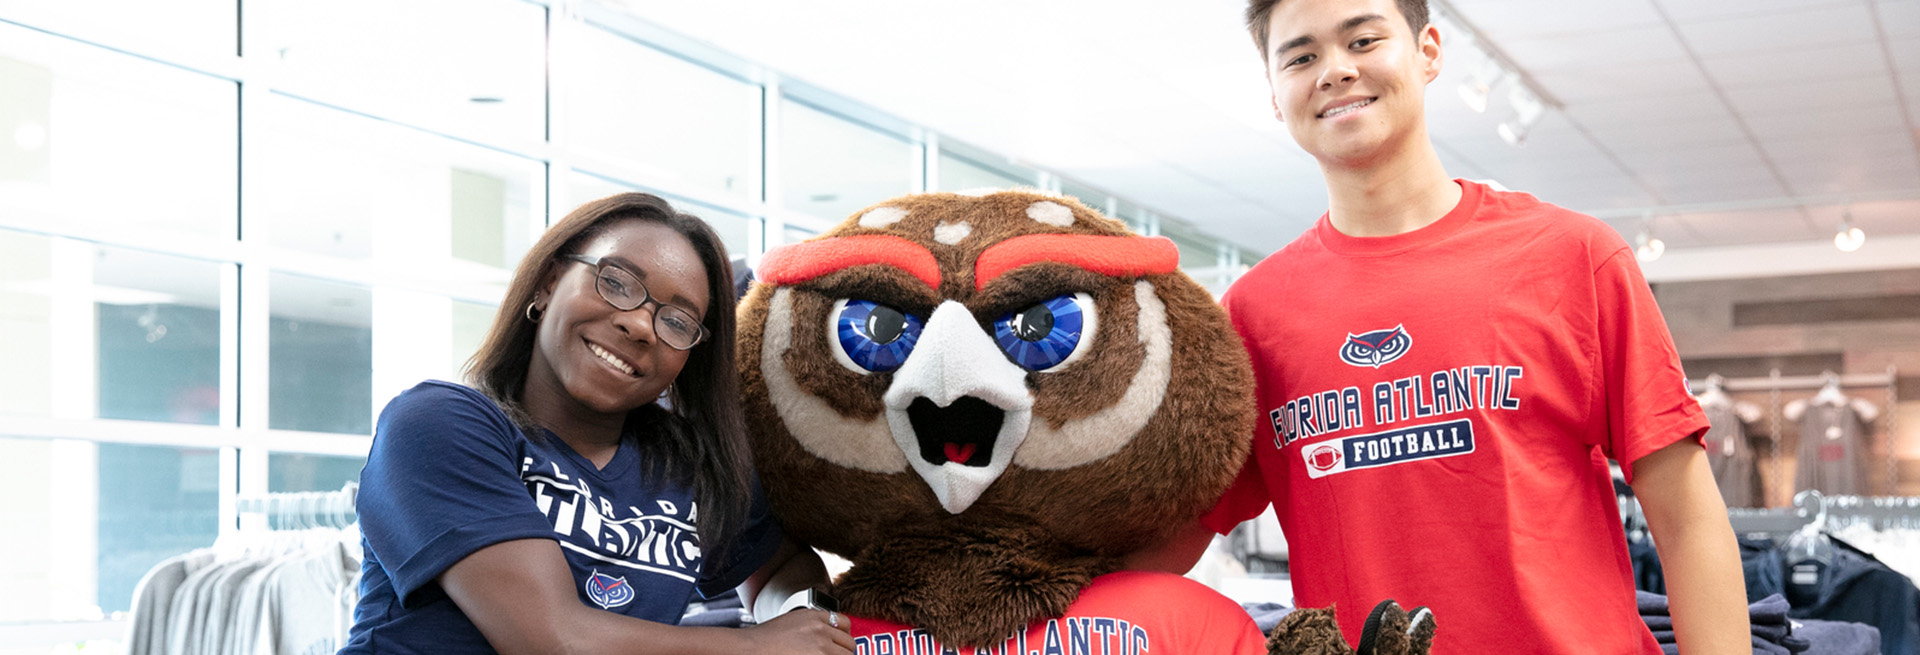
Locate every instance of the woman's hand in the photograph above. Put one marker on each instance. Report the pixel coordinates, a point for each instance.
(809, 632)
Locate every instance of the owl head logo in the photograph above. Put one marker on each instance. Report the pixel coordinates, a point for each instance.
(1377, 348)
(607, 591)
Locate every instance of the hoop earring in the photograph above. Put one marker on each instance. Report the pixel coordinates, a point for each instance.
(531, 315)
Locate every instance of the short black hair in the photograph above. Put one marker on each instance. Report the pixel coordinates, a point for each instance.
(1261, 11)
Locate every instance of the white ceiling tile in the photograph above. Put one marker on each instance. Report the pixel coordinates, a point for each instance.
(1588, 201)
(1831, 149)
(1584, 192)
(1742, 228)
(1509, 20)
(1693, 10)
(1714, 128)
(1745, 175)
(1857, 175)
(1813, 95)
(1899, 17)
(1651, 43)
(1905, 51)
(1637, 80)
(1714, 193)
(1607, 113)
(1887, 217)
(1881, 119)
(1797, 64)
(1827, 25)
(1681, 160)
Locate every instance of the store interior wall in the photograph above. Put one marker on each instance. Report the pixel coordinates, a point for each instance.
(1844, 323)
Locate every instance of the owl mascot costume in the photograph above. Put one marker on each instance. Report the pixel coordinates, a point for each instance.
(986, 401)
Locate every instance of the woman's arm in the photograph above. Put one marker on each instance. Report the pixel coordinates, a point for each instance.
(520, 595)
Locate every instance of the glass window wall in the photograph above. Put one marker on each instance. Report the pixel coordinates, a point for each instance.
(320, 368)
(663, 118)
(483, 80)
(732, 227)
(960, 174)
(832, 166)
(95, 139)
(350, 187)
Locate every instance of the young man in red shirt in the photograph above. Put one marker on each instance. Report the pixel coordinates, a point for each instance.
(1446, 369)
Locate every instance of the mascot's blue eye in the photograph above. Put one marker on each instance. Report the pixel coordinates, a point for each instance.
(1047, 334)
(873, 336)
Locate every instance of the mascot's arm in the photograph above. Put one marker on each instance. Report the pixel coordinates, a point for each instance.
(521, 596)
(1698, 554)
(774, 589)
(1176, 555)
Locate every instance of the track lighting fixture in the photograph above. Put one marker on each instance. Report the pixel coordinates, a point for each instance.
(1848, 238)
(1527, 110)
(1647, 247)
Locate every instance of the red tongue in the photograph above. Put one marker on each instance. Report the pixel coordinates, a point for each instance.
(959, 453)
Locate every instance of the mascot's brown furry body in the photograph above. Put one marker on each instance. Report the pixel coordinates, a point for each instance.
(985, 402)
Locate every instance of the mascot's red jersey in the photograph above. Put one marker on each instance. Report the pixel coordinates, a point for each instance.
(1125, 613)
(1440, 409)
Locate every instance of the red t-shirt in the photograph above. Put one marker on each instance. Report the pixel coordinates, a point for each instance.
(1440, 406)
(1123, 613)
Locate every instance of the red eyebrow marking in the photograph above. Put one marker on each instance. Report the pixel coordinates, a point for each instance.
(1117, 256)
(799, 262)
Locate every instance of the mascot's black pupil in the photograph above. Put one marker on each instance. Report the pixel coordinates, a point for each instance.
(1033, 324)
(884, 324)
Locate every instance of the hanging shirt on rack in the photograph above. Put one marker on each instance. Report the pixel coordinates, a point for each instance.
(1834, 449)
(153, 601)
(450, 474)
(1729, 452)
(297, 601)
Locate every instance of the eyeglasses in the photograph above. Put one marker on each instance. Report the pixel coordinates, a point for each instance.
(676, 327)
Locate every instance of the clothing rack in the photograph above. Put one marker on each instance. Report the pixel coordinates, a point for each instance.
(1775, 383)
(1779, 382)
(296, 510)
(1810, 505)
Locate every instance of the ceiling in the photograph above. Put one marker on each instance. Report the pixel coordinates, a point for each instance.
(1721, 123)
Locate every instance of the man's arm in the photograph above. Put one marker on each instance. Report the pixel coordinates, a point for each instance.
(1698, 554)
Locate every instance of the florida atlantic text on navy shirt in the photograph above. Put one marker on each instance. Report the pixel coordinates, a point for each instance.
(449, 474)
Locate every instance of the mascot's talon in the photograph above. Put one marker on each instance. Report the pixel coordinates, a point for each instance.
(1389, 630)
(1308, 632)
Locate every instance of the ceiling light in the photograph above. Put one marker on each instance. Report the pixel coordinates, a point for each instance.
(1647, 247)
(1479, 86)
(1848, 238)
(1527, 110)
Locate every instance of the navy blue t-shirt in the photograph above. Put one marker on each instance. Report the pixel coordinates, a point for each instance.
(450, 474)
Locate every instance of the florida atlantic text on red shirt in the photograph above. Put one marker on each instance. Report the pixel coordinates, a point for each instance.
(1414, 398)
(1074, 635)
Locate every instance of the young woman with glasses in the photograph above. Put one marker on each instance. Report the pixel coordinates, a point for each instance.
(594, 479)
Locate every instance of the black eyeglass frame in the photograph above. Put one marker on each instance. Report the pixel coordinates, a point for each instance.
(646, 296)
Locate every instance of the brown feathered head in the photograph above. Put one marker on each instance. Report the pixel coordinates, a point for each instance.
(984, 400)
